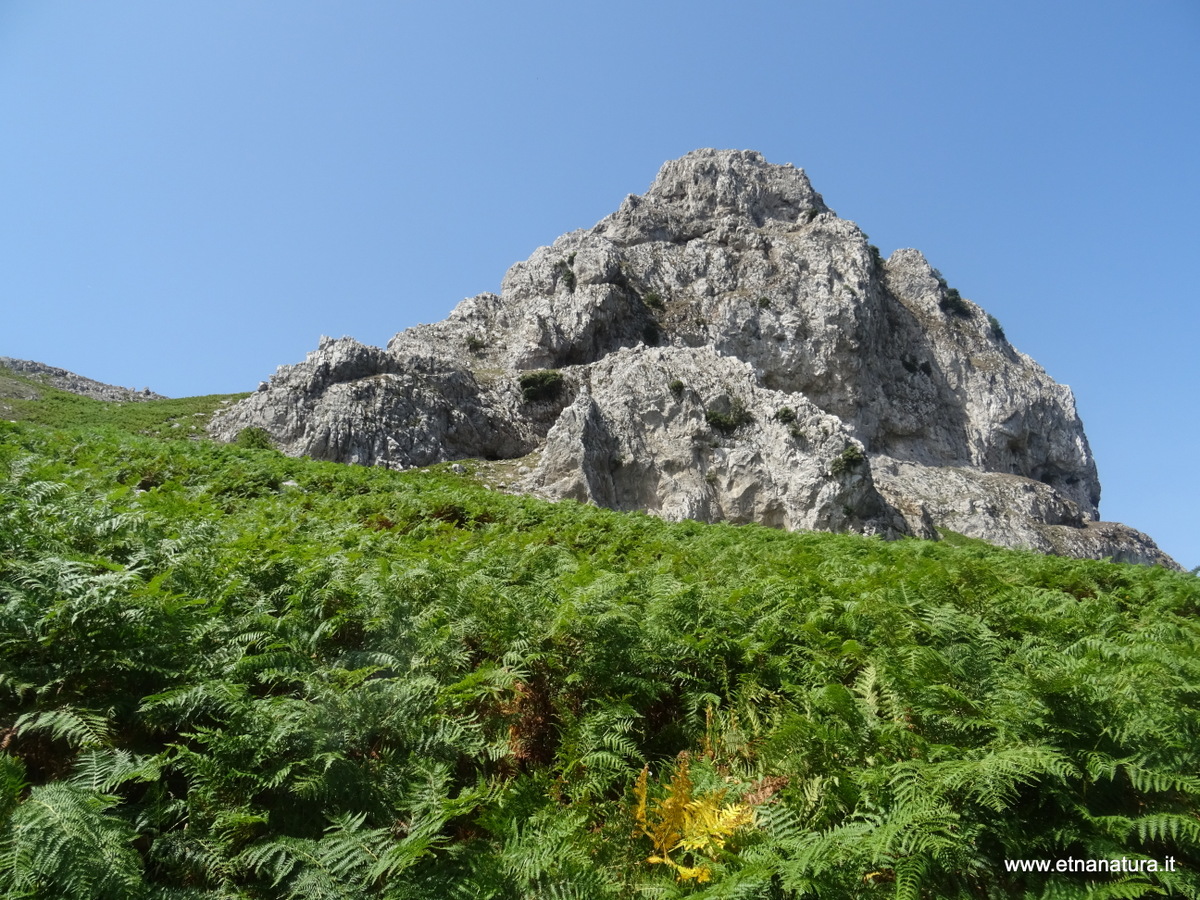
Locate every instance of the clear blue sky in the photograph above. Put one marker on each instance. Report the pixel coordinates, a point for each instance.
(192, 193)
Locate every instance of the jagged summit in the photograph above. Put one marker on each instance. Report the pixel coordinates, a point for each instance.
(722, 347)
(710, 189)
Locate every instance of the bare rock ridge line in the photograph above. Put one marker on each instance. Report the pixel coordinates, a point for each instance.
(724, 348)
(63, 380)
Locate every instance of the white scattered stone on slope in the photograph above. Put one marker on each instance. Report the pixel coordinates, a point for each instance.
(728, 286)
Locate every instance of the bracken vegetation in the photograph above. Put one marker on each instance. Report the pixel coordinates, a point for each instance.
(225, 673)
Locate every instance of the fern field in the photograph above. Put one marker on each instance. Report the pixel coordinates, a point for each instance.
(229, 674)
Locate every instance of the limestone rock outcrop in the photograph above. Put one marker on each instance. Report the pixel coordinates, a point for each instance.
(54, 377)
(723, 347)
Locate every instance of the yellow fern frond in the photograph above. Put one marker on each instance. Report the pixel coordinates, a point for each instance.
(709, 822)
(639, 792)
(686, 873)
(680, 821)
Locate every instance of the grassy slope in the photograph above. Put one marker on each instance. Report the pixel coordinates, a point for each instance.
(27, 400)
(214, 683)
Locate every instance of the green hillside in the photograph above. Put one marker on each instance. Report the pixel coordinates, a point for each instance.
(225, 673)
(28, 400)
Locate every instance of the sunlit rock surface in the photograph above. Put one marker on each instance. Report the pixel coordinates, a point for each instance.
(727, 349)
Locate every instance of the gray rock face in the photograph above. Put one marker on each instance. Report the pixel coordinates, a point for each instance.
(723, 348)
(75, 384)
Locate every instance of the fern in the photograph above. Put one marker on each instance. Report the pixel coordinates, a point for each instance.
(393, 685)
(102, 771)
(78, 727)
(686, 822)
(64, 841)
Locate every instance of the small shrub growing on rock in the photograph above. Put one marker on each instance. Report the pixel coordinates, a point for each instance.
(475, 344)
(786, 415)
(846, 461)
(764, 302)
(676, 387)
(953, 304)
(542, 385)
(566, 272)
(654, 300)
(997, 328)
(254, 438)
(729, 422)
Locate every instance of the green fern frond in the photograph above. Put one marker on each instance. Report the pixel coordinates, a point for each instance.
(993, 778)
(1164, 827)
(1152, 780)
(12, 784)
(78, 727)
(63, 842)
(1125, 889)
(104, 770)
(910, 872)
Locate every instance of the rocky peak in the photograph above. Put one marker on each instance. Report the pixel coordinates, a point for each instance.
(709, 190)
(723, 347)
